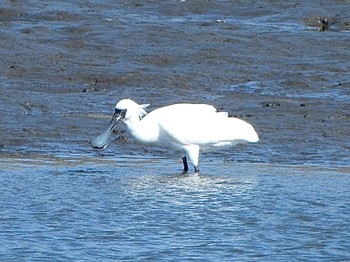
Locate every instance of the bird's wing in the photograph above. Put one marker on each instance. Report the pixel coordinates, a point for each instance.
(184, 122)
(201, 124)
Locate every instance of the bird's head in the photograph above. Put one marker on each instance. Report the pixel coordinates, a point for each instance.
(125, 109)
(130, 109)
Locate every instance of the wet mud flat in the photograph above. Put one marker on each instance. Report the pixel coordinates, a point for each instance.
(65, 65)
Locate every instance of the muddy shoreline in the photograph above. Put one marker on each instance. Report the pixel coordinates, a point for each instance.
(64, 66)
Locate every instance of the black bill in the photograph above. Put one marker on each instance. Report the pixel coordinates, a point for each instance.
(101, 141)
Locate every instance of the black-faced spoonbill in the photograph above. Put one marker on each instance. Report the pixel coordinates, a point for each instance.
(187, 128)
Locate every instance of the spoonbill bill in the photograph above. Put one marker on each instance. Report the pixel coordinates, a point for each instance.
(183, 127)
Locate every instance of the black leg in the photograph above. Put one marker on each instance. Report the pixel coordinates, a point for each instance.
(196, 169)
(184, 161)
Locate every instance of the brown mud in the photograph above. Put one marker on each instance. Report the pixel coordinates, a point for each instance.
(283, 66)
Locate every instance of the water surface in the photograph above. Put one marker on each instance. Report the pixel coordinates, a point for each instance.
(127, 209)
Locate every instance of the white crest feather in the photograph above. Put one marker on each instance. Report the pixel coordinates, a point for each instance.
(142, 110)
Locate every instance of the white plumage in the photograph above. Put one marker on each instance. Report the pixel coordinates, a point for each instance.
(189, 128)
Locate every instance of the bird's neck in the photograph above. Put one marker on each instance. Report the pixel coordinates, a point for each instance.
(139, 130)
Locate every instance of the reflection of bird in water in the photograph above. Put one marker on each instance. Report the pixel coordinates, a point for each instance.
(187, 128)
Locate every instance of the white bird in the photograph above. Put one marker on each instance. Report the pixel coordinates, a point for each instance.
(187, 128)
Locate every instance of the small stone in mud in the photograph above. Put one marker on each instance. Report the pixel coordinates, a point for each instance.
(227, 40)
(324, 24)
(220, 21)
(88, 89)
(122, 139)
(95, 81)
(91, 89)
(271, 104)
(241, 116)
(30, 131)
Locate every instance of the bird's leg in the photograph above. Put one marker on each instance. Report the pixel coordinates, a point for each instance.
(196, 169)
(184, 161)
(192, 152)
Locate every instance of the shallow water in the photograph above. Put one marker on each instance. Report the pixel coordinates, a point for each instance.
(65, 65)
(130, 209)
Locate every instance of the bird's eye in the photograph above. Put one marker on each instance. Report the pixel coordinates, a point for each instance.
(120, 111)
